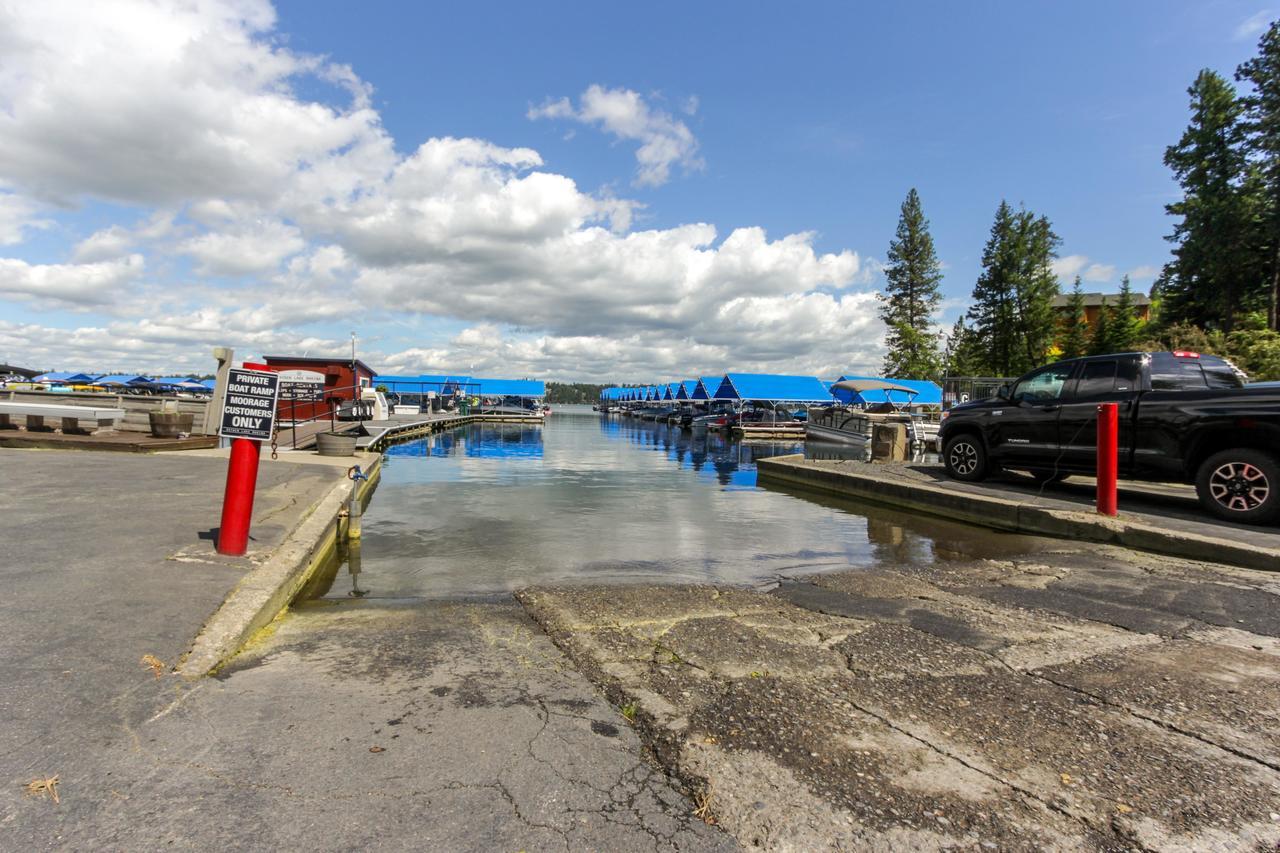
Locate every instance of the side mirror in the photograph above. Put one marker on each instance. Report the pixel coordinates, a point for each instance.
(1003, 391)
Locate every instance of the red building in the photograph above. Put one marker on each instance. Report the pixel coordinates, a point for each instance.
(311, 387)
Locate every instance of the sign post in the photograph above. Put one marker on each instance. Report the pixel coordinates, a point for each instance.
(248, 418)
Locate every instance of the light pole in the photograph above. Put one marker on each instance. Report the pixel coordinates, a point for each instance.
(355, 383)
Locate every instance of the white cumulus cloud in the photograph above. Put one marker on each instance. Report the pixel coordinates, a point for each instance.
(72, 284)
(665, 141)
(265, 219)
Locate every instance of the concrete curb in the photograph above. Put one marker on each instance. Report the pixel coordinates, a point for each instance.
(267, 590)
(1016, 516)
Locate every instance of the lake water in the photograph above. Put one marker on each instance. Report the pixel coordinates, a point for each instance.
(486, 509)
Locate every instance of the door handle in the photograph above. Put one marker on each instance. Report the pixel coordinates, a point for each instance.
(1053, 408)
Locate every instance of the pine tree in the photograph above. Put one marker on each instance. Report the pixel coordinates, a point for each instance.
(1100, 340)
(1012, 311)
(992, 312)
(1035, 289)
(963, 356)
(1126, 328)
(911, 297)
(1075, 328)
(1262, 137)
(1214, 272)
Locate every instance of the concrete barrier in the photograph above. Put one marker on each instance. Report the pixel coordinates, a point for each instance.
(1014, 515)
(266, 591)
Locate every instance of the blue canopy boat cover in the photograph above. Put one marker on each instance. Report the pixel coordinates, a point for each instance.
(668, 392)
(686, 389)
(704, 387)
(927, 393)
(60, 378)
(425, 382)
(771, 387)
(121, 379)
(508, 387)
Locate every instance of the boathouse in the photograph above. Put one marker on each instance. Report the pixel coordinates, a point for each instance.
(337, 379)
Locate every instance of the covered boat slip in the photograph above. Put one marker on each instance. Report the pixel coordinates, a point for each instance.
(766, 402)
(867, 403)
(773, 405)
(424, 394)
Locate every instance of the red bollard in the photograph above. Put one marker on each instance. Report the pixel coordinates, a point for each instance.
(1108, 456)
(237, 501)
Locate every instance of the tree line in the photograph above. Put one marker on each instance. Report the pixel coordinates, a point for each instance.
(1217, 294)
(563, 393)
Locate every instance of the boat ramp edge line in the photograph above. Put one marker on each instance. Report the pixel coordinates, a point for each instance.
(266, 591)
(1016, 516)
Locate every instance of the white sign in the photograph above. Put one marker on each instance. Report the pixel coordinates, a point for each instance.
(309, 376)
(301, 385)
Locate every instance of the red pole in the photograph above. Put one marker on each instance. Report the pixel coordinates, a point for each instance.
(237, 501)
(1108, 456)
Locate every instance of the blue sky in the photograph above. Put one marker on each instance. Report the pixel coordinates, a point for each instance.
(809, 119)
(821, 119)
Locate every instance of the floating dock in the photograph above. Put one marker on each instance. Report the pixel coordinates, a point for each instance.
(405, 427)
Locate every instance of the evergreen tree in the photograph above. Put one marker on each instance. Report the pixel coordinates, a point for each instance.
(963, 355)
(1126, 328)
(1214, 271)
(1262, 129)
(1012, 311)
(911, 297)
(1075, 328)
(1100, 340)
(992, 312)
(1035, 289)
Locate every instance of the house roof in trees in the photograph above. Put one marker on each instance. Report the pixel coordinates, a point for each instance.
(1097, 299)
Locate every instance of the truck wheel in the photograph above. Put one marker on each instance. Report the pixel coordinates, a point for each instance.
(965, 458)
(1241, 485)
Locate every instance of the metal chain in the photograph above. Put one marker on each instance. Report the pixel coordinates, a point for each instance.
(275, 434)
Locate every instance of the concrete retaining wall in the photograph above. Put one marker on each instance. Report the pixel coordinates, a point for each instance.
(267, 590)
(1016, 516)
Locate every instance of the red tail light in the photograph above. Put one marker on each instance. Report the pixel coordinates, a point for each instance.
(1183, 353)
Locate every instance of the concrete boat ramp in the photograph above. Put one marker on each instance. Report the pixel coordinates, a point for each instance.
(1015, 692)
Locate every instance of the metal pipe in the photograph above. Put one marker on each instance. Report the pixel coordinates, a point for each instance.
(1108, 457)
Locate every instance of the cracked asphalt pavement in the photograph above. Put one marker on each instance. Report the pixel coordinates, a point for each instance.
(1060, 696)
(377, 727)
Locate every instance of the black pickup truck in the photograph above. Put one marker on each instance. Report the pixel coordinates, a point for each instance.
(1184, 417)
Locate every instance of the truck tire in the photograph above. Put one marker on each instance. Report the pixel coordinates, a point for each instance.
(965, 458)
(1242, 484)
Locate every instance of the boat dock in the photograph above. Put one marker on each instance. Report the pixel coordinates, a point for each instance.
(403, 427)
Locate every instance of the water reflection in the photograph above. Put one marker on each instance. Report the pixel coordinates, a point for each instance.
(486, 509)
(477, 441)
(715, 457)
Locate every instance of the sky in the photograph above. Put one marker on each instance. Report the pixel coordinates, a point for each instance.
(568, 191)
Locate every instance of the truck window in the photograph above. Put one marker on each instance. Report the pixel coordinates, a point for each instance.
(1220, 373)
(1170, 373)
(1045, 384)
(1097, 378)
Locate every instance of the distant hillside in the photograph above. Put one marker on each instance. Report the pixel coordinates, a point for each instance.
(573, 392)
